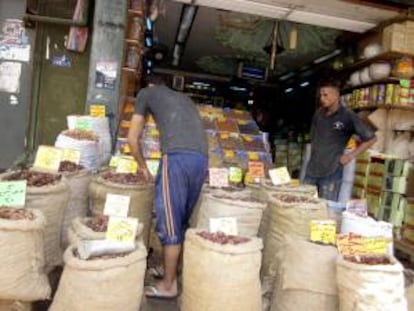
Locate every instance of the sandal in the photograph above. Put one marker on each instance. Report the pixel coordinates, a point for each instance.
(152, 291)
(156, 272)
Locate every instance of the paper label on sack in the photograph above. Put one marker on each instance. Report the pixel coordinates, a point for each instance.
(351, 244)
(97, 111)
(153, 166)
(126, 166)
(358, 207)
(114, 161)
(256, 169)
(280, 176)
(117, 205)
(13, 193)
(122, 229)
(218, 177)
(83, 124)
(235, 174)
(323, 231)
(227, 225)
(71, 155)
(48, 158)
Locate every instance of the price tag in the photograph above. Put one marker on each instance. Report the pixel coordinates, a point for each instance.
(235, 174)
(279, 176)
(126, 166)
(117, 205)
(227, 225)
(253, 156)
(48, 158)
(219, 177)
(122, 229)
(114, 161)
(256, 169)
(71, 155)
(153, 166)
(323, 231)
(83, 124)
(97, 111)
(351, 244)
(13, 193)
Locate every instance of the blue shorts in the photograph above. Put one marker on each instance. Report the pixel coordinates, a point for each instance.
(177, 188)
(329, 186)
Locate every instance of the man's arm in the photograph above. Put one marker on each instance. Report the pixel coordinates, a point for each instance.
(346, 158)
(134, 133)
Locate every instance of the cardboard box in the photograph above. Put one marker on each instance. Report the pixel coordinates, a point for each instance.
(375, 182)
(374, 203)
(358, 192)
(398, 167)
(394, 38)
(395, 184)
(362, 167)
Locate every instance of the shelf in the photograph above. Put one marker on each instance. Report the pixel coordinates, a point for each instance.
(388, 107)
(387, 56)
(361, 86)
(136, 12)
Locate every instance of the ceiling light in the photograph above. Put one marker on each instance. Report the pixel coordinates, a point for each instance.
(304, 84)
(289, 90)
(326, 57)
(286, 76)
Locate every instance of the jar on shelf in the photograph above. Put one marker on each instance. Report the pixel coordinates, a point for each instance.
(135, 28)
(133, 57)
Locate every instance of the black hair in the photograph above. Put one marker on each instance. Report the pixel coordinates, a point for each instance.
(330, 82)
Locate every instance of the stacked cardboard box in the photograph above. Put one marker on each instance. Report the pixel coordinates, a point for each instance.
(399, 37)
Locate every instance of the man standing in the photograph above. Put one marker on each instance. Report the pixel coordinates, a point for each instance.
(181, 173)
(332, 127)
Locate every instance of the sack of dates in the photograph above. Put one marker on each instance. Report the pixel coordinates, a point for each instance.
(48, 193)
(133, 185)
(78, 180)
(289, 214)
(93, 228)
(232, 192)
(221, 272)
(22, 260)
(106, 283)
(246, 210)
(370, 283)
(6, 305)
(303, 283)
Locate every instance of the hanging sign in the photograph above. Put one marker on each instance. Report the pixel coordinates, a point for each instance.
(122, 229)
(117, 205)
(48, 158)
(352, 244)
(71, 155)
(256, 169)
(280, 176)
(323, 231)
(219, 177)
(227, 225)
(97, 111)
(126, 166)
(13, 193)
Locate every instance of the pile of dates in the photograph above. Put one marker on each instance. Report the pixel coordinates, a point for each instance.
(98, 223)
(125, 178)
(67, 166)
(222, 238)
(295, 199)
(81, 135)
(34, 179)
(103, 257)
(15, 213)
(369, 260)
(244, 199)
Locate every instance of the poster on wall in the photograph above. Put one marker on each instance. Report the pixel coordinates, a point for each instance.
(105, 74)
(10, 73)
(14, 43)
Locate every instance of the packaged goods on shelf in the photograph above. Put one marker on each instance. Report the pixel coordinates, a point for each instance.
(227, 125)
(236, 114)
(230, 141)
(253, 143)
(209, 123)
(248, 127)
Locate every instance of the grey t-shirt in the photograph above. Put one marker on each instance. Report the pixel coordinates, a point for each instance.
(178, 120)
(329, 137)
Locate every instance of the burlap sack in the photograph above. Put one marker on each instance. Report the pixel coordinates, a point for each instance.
(409, 295)
(78, 201)
(221, 277)
(6, 305)
(302, 282)
(141, 206)
(370, 287)
(288, 217)
(22, 259)
(248, 212)
(102, 284)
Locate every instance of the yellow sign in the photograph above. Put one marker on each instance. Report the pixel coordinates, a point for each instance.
(253, 156)
(97, 111)
(48, 158)
(126, 166)
(227, 225)
(323, 231)
(279, 176)
(256, 169)
(352, 244)
(71, 155)
(235, 174)
(114, 161)
(122, 229)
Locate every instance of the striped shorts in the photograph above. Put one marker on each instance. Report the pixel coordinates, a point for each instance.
(177, 188)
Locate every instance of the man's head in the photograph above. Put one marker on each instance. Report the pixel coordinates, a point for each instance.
(329, 92)
(154, 79)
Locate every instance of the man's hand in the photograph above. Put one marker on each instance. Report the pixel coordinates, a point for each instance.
(346, 158)
(147, 175)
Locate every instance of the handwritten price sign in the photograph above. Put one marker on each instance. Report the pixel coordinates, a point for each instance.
(235, 174)
(351, 244)
(48, 158)
(98, 111)
(323, 231)
(256, 169)
(227, 225)
(13, 193)
(219, 177)
(122, 229)
(117, 205)
(280, 176)
(126, 166)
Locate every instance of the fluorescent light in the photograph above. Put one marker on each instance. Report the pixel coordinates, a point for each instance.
(326, 57)
(250, 102)
(238, 88)
(289, 90)
(304, 84)
(286, 76)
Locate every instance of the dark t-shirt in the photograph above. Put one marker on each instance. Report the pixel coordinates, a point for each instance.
(329, 137)
(178, 120)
